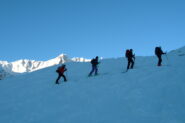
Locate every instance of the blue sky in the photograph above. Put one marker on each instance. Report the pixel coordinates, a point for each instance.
(43, 29)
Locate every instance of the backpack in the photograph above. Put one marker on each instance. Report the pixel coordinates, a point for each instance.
(127, 53)
(157, 50)
(60, 69)
(92, 61)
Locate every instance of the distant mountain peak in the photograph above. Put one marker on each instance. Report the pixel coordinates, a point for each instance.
(25, 65)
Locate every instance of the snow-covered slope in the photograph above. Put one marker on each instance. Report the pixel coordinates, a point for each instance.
(22, 66)
(179, 52)
(146, 94)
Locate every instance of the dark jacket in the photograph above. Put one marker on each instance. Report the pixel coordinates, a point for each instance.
(94, 62)
(130, 55)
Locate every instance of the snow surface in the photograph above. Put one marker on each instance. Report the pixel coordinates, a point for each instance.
(22, 66)
(146, 94)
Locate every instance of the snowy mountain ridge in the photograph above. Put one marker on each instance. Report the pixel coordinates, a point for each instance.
(25, 65)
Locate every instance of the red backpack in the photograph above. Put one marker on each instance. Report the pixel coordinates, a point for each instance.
(60, 70)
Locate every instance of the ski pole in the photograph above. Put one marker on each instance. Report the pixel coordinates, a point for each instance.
(168, 62)
(166, 56)
(126, 69)
(66, 74)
